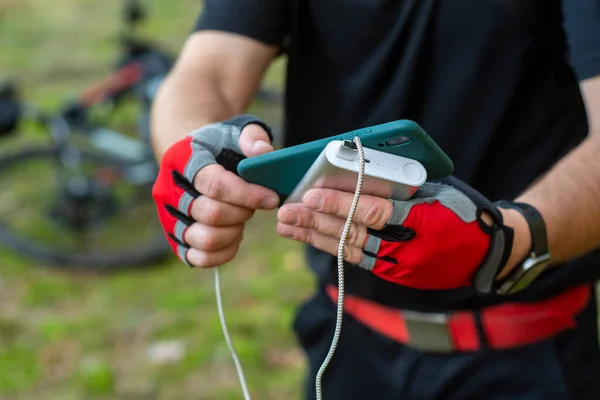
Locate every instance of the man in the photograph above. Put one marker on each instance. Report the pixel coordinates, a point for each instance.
(449, 311)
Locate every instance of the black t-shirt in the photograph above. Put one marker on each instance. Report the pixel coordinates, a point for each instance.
(494, 84)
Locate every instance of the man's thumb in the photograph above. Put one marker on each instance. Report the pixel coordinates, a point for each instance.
(254, 140)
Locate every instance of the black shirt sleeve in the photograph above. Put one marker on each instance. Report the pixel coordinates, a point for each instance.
(264, 20)
(582, 26)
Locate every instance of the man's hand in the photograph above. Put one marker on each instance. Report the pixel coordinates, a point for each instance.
(202, 203)
(437, 240)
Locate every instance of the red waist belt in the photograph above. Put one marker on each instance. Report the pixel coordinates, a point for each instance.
(501, 326)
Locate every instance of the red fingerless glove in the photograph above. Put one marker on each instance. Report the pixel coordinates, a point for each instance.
(174, 192)
(437, 240)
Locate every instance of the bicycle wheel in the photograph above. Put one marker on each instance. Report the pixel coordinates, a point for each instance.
(117, 229)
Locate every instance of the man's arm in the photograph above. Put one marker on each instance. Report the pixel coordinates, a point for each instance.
(214, 79)
(568, 196)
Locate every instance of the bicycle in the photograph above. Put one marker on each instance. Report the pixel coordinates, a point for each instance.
(102, 178)
(91, 182)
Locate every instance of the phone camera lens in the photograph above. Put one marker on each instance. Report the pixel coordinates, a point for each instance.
(397, 141)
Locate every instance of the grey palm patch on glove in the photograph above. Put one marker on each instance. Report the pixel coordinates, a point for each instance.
(216, 143)
(209, 142)
(429, 192)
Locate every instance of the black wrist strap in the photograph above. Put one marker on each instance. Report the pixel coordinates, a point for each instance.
(537, 226)
(539, 256)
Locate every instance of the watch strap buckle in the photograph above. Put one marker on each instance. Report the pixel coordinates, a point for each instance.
(524, 274)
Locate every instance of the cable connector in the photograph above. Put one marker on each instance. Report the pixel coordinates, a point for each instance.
(349, 144)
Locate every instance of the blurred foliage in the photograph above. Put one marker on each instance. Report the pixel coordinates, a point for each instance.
(83, 336)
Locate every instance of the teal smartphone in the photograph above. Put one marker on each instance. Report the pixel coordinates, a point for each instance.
(282, 170)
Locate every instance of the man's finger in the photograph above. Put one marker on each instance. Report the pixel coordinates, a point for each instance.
(352, 254)
(216, 213)
(373, 212)
(327, 224)
(219, 184)
(203, 259)
(212, 238)
(254, 140)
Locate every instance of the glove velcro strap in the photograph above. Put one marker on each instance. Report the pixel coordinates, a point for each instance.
(496, 258)
(229, 160)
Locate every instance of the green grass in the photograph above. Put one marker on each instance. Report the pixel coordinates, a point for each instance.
(82, 336)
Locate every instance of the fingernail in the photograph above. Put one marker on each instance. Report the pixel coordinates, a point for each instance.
(261, 145)
(270, 202)
(314, 201)
(290, 217)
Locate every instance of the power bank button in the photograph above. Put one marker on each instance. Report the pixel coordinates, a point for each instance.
(412, 172)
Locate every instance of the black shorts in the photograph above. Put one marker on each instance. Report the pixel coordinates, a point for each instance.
(367, 365)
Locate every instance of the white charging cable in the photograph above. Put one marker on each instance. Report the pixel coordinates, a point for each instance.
(340, 301)
(236, 360)
(340, 265)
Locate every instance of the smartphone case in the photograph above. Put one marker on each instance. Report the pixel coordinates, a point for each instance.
(282, 170)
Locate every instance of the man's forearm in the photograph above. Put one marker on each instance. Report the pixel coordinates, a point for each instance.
(184, 103)
(568, 197)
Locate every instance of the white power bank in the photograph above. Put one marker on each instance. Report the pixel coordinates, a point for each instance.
(385, 175)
